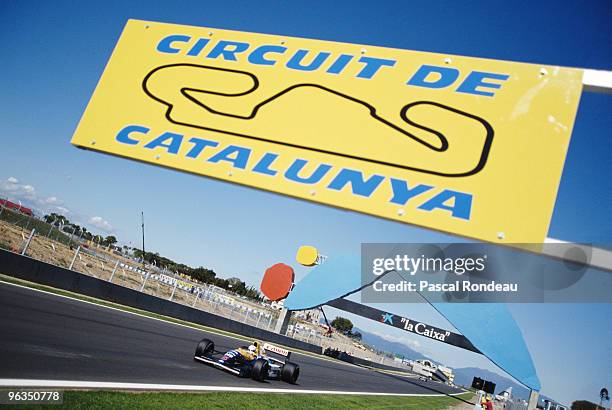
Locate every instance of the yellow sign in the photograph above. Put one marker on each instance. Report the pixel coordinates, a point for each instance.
(464, 145)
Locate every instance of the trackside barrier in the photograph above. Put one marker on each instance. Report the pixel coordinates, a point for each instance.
(33, 270)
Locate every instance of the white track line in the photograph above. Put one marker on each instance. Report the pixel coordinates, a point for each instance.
(73, 384)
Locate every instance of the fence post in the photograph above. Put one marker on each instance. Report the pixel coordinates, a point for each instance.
(282, 322)
(114, 270)
(74, 257)
(195, 299)
(144, 281)
(25, 248)
(269, 322)
(258, 319)
(173, 289)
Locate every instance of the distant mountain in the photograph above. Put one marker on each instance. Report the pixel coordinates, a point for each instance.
(388, 346)
(465, 375)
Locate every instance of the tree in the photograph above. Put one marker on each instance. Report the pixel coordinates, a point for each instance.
(203, 274)
(584, 405)
(56, 219)
(253, 293)
(342, 324)
(77, 230)
(88, 236)
(109, 240)
(222, 283)
(71, 228)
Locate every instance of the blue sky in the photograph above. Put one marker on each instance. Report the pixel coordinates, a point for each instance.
(54, 52)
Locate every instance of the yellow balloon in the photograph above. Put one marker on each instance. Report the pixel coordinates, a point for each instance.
(307, 255)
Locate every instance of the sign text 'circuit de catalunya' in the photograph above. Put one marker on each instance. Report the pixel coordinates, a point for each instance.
(468, 146)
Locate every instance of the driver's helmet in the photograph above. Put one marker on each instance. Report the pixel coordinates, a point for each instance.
(253, 349)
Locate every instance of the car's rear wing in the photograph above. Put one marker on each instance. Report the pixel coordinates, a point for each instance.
(278, 350)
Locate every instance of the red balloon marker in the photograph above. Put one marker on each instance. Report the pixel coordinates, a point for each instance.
(277, 281)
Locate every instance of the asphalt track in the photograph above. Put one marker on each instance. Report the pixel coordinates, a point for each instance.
(48, 337)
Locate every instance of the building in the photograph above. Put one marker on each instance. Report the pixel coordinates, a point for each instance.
(448, 372)
(429, 369)
(15, 207)
(310, 315)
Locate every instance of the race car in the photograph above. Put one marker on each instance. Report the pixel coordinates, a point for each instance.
(250, 361)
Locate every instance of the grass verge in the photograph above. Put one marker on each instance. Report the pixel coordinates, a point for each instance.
(222, 400)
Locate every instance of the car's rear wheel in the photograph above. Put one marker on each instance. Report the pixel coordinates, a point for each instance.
(205, 348)
(290, 372)
(260, 370)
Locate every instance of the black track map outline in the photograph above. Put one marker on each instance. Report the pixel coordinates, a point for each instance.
(403, 114)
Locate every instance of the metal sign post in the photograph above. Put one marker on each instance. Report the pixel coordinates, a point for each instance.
(76, 253)
(114, 270)
(25, 248)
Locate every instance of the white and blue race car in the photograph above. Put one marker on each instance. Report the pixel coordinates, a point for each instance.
(250, 361)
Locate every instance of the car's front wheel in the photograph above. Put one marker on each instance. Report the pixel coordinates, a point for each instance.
(205, 348)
